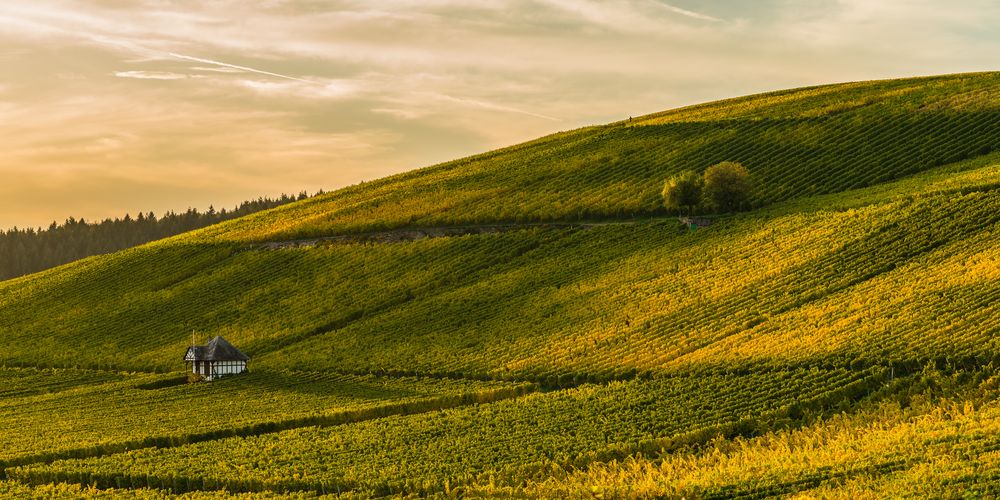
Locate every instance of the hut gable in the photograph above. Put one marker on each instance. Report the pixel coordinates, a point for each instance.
(216, 359)
(195, 353)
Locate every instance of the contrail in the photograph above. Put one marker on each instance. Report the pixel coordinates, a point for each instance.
(495, 107)
(689, 13)
(241, 68)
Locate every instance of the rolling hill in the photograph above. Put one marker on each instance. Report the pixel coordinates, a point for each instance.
(558, 320)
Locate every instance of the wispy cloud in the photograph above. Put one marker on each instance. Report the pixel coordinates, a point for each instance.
(490, 106)
(650, 17)
(306, 89)
(301, 94)
(152, 75)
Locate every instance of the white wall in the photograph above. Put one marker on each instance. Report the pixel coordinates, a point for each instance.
(223, 368)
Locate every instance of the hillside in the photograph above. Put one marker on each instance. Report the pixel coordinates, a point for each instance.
(797, 143)
(866, 282)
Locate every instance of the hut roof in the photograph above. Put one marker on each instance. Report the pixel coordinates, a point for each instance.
(217, 349)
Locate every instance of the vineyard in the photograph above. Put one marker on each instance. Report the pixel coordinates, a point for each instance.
(606, 303)
(932, 444)
(156, 410)
(503, 441)
(838, 339)
(27, 382)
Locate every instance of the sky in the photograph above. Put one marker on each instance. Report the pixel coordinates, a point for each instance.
(110, 107)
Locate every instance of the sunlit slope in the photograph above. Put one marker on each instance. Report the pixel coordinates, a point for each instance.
(796, 143)
(902, 273)
(910, 446)
(833, 281)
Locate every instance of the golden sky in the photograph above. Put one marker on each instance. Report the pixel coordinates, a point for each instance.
(114, 106)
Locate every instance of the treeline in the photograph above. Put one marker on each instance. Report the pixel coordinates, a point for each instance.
(25, 251)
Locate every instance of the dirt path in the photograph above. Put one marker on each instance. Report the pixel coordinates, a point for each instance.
(414, 234)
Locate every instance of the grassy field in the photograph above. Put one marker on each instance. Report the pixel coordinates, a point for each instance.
(778, 351)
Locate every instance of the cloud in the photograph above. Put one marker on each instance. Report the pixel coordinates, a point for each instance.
(331, 89)
(401, 113)
(649, 17)
(152, 75)
(220, 69)
(489, 105)
(299, 94)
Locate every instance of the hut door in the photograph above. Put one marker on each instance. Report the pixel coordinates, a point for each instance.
(206, 366)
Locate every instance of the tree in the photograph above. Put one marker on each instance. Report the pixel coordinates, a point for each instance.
(682, 191)
(728, 186)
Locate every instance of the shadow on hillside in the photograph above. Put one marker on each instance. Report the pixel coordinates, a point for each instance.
(806, 156)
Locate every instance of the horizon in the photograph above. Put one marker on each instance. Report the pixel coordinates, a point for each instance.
(115, 107)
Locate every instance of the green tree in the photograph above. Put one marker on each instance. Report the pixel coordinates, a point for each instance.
(728, 186)
(683, 191)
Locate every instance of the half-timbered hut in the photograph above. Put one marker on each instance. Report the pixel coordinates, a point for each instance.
(216, 359)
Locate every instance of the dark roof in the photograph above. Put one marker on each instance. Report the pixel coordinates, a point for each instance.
(217, 349)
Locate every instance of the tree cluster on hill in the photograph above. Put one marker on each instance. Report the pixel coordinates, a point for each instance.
(725, 187)
(25, 251)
